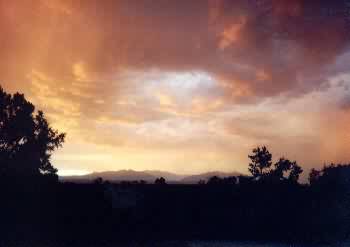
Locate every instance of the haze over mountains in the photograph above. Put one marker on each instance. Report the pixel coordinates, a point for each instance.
(148, 175)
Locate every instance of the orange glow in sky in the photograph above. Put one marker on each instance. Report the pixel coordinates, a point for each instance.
(183, 86)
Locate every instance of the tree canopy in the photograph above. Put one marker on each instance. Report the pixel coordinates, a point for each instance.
(26, 139)
(261, 162)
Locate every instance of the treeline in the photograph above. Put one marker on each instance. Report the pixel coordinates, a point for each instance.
(270, 204)
(234, 208)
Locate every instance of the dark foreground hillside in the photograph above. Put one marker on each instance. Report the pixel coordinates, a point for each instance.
(109, 213)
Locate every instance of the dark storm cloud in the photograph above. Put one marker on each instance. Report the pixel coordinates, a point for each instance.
(266, 47)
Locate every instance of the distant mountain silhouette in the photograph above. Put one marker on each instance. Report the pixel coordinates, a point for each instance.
(205, 176)
(148, 175)
(112, 176)
(125, 175)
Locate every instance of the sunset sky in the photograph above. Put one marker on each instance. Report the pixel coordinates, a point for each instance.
(183, 86)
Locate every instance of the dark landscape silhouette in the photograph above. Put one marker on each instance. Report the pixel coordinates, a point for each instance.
(148, 176)
(268, 205)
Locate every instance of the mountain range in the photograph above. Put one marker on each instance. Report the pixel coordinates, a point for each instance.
(147, 175)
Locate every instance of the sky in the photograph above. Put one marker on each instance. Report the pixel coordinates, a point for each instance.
(183, 86)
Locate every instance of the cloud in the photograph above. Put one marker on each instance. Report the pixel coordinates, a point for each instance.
(198, 76)
(219, 37)
(230, 35)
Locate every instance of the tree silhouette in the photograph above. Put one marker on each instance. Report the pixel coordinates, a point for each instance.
(260, 162)
(98, 181)
(26, 139)
(244, 180)
(260, 167)
(283, 166)
(331, 175)
(314, 175)
(160, 181)
(230, 180)
(215, 180)
(143, 181)
(201, 182)
(295, 172)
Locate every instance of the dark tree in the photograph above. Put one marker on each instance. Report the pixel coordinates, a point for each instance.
(201, 182)
(230, 180)
(143, 182)
(295, 172)
(260, 162)
(26, 139)
(160, 181)
(314, 175)
(244, 180)
(98, 181)
(282, 167)
(215, 180)
(331, 175)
